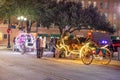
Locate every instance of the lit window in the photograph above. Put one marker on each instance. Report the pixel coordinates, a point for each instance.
(58, 0)
(114, 16)
(114, 26)
(89, 3)
(83, 4)
(1, 36)
(106, 14)
(52, 25)
(94, 3)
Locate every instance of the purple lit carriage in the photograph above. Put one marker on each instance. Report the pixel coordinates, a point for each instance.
(24, 42)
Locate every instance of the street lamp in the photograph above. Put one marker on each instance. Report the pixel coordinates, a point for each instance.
(8, 31)
(21, 19)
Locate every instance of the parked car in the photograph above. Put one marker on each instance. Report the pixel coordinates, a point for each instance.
(115, 44)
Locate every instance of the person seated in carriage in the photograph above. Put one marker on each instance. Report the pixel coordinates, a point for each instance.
(71, 41)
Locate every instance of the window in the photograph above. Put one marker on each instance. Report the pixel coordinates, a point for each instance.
(38, 24)
(114, 16)
(106, 5)
(114, 26)
(76, 1)
(89, 3)
(106, 14)
(5, 36)
(1, 36)
(94, 3)
(52, 25)
(58, 0)
(101, 5)
(5, 21)
(115, 5)
(83, 3)
(101, 13)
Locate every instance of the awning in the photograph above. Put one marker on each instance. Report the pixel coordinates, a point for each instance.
(115, 37)
(55, 35)
(43, 35)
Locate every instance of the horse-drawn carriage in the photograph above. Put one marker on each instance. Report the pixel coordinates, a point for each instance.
(82, 48)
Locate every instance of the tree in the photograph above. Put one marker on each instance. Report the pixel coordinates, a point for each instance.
(6, 9)
(6, 12)
(72, 15)
(96, 20)
(27, 8)
(62, 14)
(68, 16)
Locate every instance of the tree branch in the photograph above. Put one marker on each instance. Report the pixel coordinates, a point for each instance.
(74, 30)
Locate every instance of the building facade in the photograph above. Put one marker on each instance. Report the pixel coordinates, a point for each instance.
(110, 8)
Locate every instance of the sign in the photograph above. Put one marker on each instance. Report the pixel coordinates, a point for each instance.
(8, 30)
(13, 26)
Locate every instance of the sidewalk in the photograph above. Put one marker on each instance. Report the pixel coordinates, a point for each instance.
(4, 47)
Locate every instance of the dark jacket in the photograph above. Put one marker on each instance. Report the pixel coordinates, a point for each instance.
(37, 43)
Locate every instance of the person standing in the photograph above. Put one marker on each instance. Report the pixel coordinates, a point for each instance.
(54, 46)
(42, 45)
(38, 47)
(14, 44)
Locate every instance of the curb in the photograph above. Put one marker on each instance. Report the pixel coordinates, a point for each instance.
(78, 61)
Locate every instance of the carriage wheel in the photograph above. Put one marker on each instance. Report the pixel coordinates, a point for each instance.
(106, 57)
(86, 55)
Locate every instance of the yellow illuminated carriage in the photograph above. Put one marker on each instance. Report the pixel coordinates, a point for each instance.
(82, 48)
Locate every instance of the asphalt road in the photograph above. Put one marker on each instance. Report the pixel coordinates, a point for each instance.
(15, 66)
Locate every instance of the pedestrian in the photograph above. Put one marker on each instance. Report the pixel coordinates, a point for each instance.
(14, 45)
(14, 40)
(54, 46)
(42, 46)
(111, 49)
(51, 44)
(38, 47)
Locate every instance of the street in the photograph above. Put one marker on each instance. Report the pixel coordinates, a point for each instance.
(14, 66)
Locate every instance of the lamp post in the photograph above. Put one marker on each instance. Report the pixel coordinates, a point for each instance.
(8, 31)
(21, 19)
